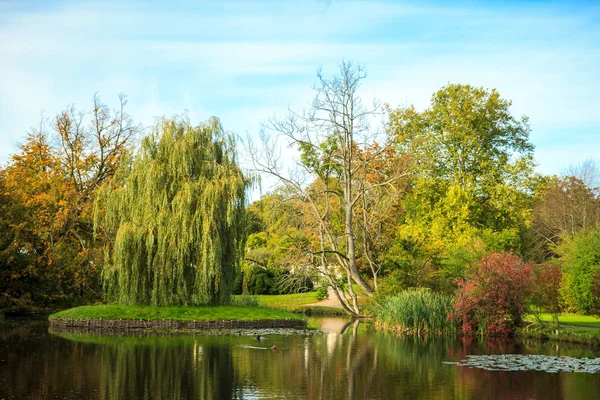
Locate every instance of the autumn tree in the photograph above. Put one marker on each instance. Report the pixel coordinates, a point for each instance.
(564, 206)
(565, 230)
(342, 172)
(34, 202)
(48, 252)
(471, 180)
(276, 245)
(175, 216)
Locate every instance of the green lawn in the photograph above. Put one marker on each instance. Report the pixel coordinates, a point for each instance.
(287, 300)
(571, 319)
(296, 303)
(205, 313)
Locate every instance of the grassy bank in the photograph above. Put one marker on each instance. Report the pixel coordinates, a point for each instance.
(315, 311)
(569, 319)
(181, 313)
(287, 300)
(563, 333)
(573, 328)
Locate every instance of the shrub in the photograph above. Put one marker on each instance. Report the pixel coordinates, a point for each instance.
(418, 311)
(260, 281)
(322, 292)
(492, 301)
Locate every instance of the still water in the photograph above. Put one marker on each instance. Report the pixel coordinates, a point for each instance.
(345, 361)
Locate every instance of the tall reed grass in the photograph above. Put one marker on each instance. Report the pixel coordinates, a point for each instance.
(416, 311)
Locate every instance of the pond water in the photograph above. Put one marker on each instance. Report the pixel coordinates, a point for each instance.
(345, 361)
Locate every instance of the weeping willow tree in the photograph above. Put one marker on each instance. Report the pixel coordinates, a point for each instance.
(175, 214)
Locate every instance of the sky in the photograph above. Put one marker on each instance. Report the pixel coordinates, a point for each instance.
(245, 61)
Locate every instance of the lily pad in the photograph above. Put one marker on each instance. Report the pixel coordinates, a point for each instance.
(530, 362)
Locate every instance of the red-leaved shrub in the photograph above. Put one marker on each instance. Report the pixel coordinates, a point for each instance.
(493, 300)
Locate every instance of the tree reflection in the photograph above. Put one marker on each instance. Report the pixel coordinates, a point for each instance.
(347, 362)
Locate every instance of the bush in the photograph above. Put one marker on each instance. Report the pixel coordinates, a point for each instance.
(322, 292)
(493, 300)
(260, 281)
(418, 311)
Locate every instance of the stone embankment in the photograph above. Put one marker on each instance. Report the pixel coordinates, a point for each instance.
(128, 325)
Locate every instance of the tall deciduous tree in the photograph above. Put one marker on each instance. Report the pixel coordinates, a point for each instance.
(472, 172)
(342, 174)
(564, 206)
(580, 262)
(48, 256)
(176, 212)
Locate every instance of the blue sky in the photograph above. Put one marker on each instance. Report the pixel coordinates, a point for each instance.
(244, 61)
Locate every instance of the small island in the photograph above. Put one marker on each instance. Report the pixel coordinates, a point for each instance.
(121, 318)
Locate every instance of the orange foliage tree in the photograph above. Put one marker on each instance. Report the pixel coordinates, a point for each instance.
(49, 255)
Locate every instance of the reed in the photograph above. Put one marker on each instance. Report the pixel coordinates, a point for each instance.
(416, 311)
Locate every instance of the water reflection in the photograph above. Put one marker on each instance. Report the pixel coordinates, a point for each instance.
(348, 361)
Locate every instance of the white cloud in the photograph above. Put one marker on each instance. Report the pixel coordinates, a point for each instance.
(244, 62)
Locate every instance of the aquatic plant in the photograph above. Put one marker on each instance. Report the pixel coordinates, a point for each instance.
(418, 311)
(530, 362)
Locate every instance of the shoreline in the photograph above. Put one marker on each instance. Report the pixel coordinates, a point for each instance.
(132, 325)
(125, 318)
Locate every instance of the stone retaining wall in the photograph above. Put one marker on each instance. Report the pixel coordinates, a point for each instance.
(122, 325)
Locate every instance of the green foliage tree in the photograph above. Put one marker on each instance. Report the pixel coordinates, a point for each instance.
(176, 212)
(275, 246)
(580, 259)
(471, 180)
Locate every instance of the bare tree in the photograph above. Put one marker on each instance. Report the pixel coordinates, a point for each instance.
(587, 172)
(90, 151)
(343, 179)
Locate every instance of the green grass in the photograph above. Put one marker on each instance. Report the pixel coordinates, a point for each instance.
(315, 311)
(573, 328)
(287, 300)
(296, 303)
(570, 319)
(205, 313)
